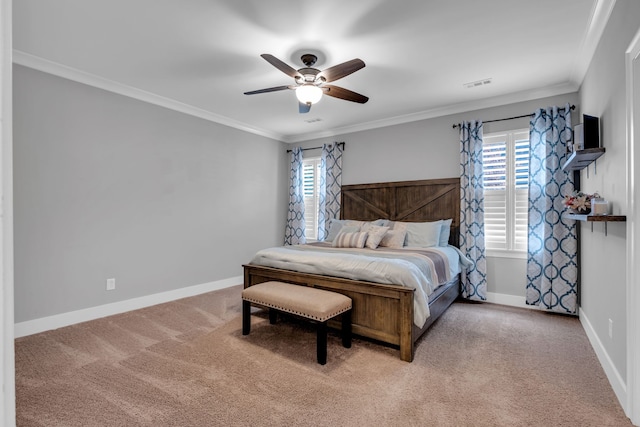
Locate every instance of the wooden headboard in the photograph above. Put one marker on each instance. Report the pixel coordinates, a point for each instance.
(424, 200)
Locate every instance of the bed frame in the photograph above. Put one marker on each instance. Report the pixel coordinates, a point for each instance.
(384, 312)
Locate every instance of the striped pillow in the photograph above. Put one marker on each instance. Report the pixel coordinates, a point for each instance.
(350, 240)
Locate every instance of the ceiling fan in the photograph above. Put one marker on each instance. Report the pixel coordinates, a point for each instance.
(310, 83)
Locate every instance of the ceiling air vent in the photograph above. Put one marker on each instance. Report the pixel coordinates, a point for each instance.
(478, 83)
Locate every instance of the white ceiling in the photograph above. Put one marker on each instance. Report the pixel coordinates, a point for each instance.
(199, 56)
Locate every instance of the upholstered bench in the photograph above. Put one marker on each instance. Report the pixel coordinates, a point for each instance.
(317, 305)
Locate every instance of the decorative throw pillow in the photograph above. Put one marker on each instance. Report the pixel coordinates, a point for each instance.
(445, 232)
(376, 233)
(423, 234)
(350, 240)
(393, 239)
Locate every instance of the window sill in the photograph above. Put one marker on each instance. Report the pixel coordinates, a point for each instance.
(495, 253)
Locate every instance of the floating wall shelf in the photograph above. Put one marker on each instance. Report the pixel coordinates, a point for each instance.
(582, 158)
(597, 218)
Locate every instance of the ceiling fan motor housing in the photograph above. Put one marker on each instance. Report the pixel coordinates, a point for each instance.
(309, 59)
(309, 75)
(310, 82)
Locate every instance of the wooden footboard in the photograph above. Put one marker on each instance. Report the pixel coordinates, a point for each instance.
(384, 312)
(381, 312)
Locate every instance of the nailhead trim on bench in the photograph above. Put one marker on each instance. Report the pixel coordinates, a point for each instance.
(298, 295)
(315, 300)
(299, 313)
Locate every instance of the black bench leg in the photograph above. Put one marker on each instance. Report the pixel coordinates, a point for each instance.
(346, 329)
(273, 316)
(246, 317)
(322, 343)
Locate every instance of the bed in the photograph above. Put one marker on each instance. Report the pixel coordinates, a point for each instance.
(383, 311)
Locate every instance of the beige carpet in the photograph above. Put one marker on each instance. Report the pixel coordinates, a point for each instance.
(186, 363)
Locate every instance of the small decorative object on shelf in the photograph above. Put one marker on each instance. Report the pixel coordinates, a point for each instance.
(579, 202)
(590, 208)
(599, 206)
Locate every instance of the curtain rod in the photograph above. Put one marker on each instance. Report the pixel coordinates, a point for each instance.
(573, 107)
(317, 148)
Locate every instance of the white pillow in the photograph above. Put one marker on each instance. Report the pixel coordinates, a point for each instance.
(445, 232)
(353, 222)
(350, 240)
(423, 234)
(335, 225)
(393, 239)
(376, 233)
(397, 225)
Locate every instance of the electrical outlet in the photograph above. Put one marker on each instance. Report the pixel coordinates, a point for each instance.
(610, 328)
(111, 284)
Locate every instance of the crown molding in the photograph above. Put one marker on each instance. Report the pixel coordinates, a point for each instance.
(73, 74)
(465, 107)
(600, 14)
(69, 73)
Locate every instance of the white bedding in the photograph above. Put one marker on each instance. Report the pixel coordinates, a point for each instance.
(407, 267)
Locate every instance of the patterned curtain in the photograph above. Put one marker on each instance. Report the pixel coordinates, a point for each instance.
(330, 185)
(474, 281)
(552, 270)
(294, 231)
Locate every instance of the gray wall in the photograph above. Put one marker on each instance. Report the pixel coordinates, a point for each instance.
(603, 94)
(429, 149)
(107, 186)
(424, 149)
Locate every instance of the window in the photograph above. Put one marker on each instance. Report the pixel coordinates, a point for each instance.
(310, 190)
(505, 159)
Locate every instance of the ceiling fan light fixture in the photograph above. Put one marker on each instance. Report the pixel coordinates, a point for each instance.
(310, 82)
(308, 93)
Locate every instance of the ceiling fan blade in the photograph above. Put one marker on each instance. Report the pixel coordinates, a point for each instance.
(304, 108)
(341, 70)
(269, 89)
(342, 93)
(289, 71)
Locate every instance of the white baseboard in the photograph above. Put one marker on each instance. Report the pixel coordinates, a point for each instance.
(617, 382)
(615, 379)
(35, 326)
(511, 300)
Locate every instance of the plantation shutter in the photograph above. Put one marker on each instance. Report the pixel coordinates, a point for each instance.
(506, 173)
(521, 151)
(494, 160)
(310, 183)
